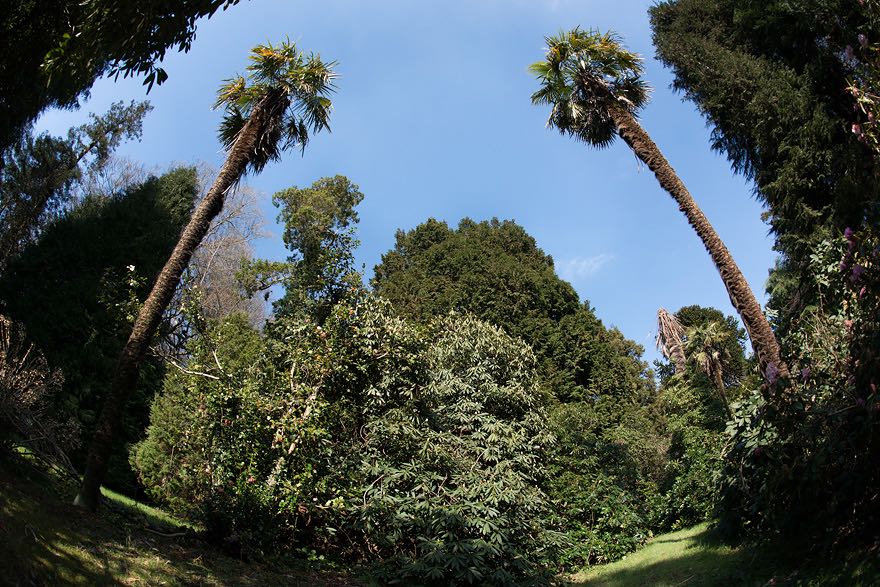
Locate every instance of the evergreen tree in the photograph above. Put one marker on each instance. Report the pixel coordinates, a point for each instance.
(771, 79)
(52, 51)
(77, 290)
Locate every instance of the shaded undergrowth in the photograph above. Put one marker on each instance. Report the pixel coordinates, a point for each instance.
(47, 541)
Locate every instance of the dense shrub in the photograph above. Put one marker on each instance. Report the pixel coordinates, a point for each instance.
(599, 392)
(76, 291)
(801, 455)
(454, 466)
(605, 484)
(420, 450)
(695, 424)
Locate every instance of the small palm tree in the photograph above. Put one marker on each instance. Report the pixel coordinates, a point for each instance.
(670, 339)
(707, 349)
(283, 98)
(595, 91)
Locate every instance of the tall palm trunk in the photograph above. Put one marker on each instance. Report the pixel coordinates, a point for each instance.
(719, 385)
(763, 339)
(148, 319)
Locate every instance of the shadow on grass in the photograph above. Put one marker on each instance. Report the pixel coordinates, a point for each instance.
(44, 540)
(699, 557)
(692, 568)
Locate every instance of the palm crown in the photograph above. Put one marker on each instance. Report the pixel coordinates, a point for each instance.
(584, 76)
(288, 91)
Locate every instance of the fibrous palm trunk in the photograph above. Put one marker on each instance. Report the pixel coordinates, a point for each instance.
(722, 394)
(763, 339)
(148, 319)
(670, 333)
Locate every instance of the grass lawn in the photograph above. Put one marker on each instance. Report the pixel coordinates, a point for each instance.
(44, 540)
(691, 558)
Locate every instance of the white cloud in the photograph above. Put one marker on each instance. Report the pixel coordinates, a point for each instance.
(578, 268)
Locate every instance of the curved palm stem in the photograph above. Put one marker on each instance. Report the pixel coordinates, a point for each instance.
(595, 90)
(741, 296)
(282, 77)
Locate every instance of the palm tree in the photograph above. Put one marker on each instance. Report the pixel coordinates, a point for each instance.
(283, 98)
(595, 89)
(670, 339)
(707, 348)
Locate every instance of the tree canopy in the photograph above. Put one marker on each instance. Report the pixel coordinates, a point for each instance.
(62, 47)
(771, 80)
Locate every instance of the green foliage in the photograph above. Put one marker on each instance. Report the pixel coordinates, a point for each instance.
(286, 92)
(603, 478)
(493, 270)
(40, 176)
(771, 79)
(695, 424)
(696, 410)
(801, 455)
(73, 290)
(365, 437)
(319, 229)
(454, 467)
(584, 76)
(608, 460)
(54, 50)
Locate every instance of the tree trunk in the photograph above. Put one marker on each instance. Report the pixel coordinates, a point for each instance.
(763, 339)
(719, 384)
(148, 319)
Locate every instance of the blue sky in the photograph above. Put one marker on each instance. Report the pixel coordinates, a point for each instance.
(432, 119)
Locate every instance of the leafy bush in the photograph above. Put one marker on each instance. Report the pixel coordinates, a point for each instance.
(695, 424)
(454, 465)
(601, 485)
(801, 455)
(361, 438)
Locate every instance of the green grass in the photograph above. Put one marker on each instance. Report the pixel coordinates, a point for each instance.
(44, 540)
(691, 558)
(151, 516)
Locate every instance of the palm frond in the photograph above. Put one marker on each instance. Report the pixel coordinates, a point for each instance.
(670, 338)
(286, 92)
(584, 75)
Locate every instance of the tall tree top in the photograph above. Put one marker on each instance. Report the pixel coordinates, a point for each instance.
(584, 75)
(292, 89)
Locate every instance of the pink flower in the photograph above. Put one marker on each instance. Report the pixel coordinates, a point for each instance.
(848, 233)
(251, 479)
(857, 129)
